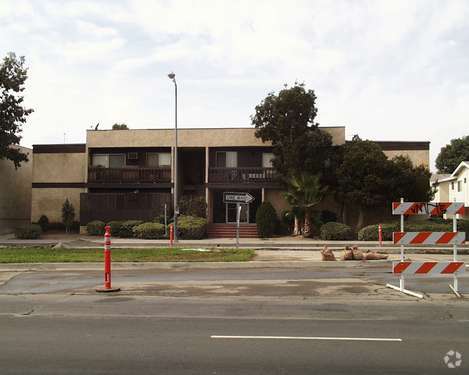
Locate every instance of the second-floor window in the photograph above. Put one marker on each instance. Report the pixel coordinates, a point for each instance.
(108, 160)
(267, 158)
(226, 159)
(158, 159)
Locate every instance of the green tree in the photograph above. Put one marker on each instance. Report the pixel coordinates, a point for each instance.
(362, 176)
(287, 121)
(303, 193)
(407, 181)
(13, 75)
(117, 126)
(68, 215)
(453, 154)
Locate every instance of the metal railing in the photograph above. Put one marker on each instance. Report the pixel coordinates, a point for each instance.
(129, 175)
(242, 175)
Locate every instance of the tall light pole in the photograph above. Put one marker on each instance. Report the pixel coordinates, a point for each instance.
(172, 77)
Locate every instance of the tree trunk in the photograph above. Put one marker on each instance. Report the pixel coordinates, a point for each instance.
(296, 227)
(307, 225)
(361, 217)
(344, 213)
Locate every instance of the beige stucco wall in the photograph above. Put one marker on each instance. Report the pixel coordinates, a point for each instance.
(216, 137)
(418, 157)
(15, 193)
(58, 167)
(49, 201)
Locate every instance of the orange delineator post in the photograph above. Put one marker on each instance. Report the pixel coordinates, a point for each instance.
(107, 263)
(171, 234)
(380, 234)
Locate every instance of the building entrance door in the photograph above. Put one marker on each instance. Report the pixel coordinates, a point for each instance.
(231, 213)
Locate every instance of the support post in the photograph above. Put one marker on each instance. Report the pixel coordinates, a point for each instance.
(238, 218)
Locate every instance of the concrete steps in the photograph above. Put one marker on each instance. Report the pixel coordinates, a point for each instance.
(229, 231)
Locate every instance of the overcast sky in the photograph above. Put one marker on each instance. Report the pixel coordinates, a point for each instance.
(387, 70)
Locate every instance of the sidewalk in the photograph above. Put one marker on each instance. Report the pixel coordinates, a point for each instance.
(263, 259)
(292, 243)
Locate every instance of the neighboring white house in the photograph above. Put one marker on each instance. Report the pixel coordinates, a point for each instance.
(453, 187)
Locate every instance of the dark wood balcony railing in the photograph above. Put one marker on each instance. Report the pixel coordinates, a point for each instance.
(243, 175)
(129, 175)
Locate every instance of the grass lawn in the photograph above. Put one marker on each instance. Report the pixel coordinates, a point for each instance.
(49, 255)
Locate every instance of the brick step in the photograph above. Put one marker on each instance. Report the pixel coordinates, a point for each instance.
(229, 231)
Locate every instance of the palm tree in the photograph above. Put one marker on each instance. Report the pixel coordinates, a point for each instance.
(303, 193)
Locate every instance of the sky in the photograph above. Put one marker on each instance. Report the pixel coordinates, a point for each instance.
(386, 70)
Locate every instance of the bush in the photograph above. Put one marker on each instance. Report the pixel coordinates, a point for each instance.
(28, 232)
(43, 222)
(115, 227)
(192, 227)
(127, 227)
(327, 216)
(266, 220)
(336, 231)
(193, 206)
(95, 228)
(149, 230)
(370, 232)
(463, 226)
(68, 215)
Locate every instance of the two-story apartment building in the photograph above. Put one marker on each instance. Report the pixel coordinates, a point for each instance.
(128, 174)
(453, 187)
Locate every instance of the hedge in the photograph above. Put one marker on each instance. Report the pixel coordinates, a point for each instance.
(115, 227)
(28, 232)
(370, 232)
(149, 231)
(266, 220)
(95, 228)
(192, 227)
(336, 231)
(126, 229)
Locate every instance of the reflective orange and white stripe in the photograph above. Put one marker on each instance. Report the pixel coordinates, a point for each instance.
(428, 268)
(428, 238)
(423, 208)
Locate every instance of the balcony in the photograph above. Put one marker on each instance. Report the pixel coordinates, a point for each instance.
(243, 175)
(129, 175)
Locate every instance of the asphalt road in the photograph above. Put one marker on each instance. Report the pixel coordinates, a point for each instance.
(114, 345)
(324, 319)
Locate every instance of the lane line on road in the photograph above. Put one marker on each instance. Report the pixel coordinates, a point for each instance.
(308, 338)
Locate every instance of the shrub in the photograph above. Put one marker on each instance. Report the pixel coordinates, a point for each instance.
(115, 227)
(463, 226)
(195, 206)
(327, 216)
(95, 228)
(127, 227)
(192, 227)
(43, 222)
(266, 220)
(28, 232)
(370, 232)
(149, 230)
(336, 231)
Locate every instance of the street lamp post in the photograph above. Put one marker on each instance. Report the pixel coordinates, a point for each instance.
(172, 77)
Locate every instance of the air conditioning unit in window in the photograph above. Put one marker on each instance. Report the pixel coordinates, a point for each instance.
(132, 156)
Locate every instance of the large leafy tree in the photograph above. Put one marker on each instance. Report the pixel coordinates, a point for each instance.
(287, 120)
(13, 75)
(362, 176)
(453, 154)
(408, 181)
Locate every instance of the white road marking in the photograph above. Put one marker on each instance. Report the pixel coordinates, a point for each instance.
(309, 338)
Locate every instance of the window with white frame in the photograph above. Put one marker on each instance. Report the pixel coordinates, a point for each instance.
(267, 158)
(108, 160)
(226, 159)
(459, 186)
(159, 159)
